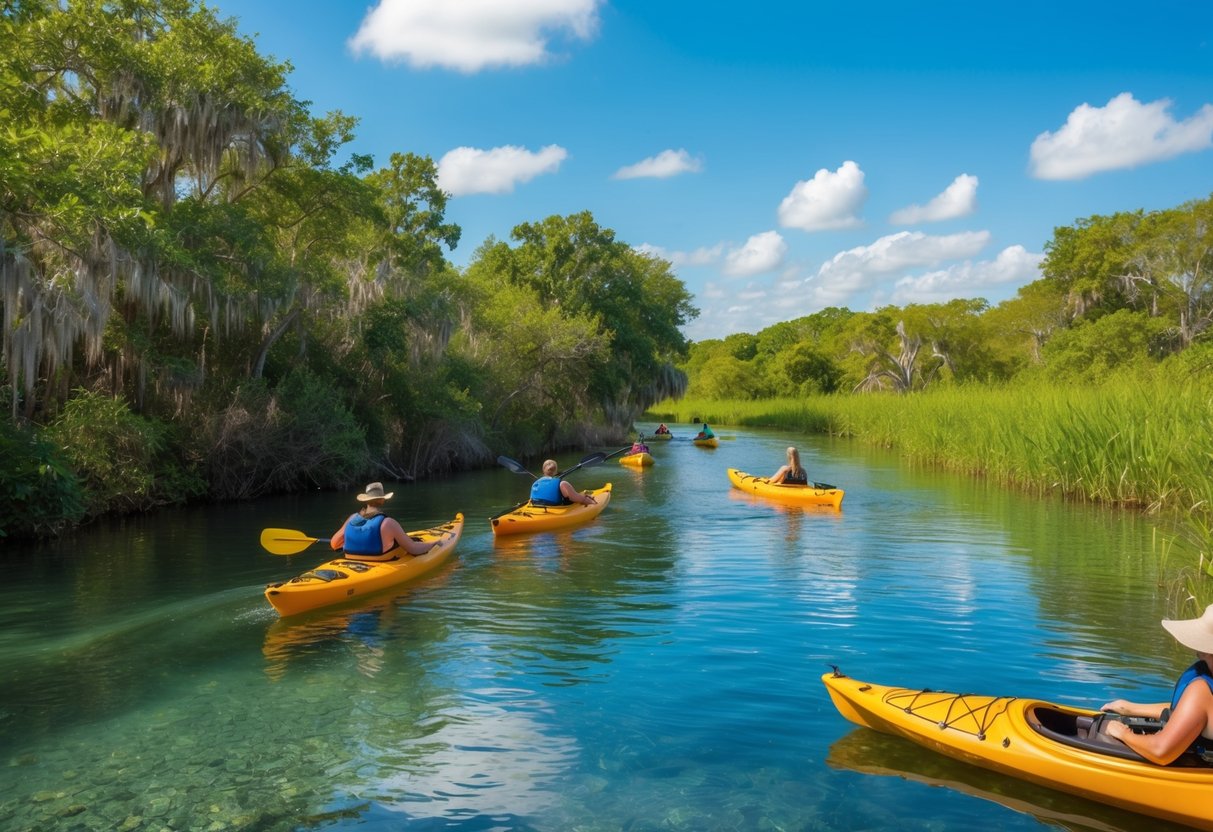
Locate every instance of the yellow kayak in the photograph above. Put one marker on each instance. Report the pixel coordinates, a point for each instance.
(810, 494)
(636, 460)
(660, 437)
(1053, 745)
(529, 518)
(710, 442)
(343, 579)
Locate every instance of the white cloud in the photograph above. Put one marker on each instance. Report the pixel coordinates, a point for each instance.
(1013, 265)
(957, 200)
(1123, 134)
(471, 35)
(469, 170)
(665, 164)
(826, 202)
(703, 256)
(761, 253)
(857, 269)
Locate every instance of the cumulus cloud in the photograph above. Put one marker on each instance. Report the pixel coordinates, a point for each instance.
(828, 201)
(469, 170)
(471, 35)
(703, 256)
(1123, 134)
(665, 164)
(858, 269)
(957, 200)
(1014, 265)
(761, 253)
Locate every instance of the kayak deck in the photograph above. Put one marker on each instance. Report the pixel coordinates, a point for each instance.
(812, 494)
(636, 460)
(529, 518)
(1033, 740)
(343, 579)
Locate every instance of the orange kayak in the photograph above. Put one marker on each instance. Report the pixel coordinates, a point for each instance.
(804, 494)
(529, 518)
(1058, 746)
(344, 579)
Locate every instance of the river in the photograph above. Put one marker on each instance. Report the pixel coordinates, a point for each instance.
(658, 669)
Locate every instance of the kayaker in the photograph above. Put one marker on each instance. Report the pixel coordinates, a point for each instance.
(662, 430)
(369, 534)
(1191, 705)
(550, 490)
(638, 447)
(706, 433)
(793, 473)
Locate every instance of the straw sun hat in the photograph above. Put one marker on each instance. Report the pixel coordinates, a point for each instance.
(374, 491)
(1193, 633)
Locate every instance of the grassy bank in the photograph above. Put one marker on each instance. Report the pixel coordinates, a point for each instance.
(1140, 443)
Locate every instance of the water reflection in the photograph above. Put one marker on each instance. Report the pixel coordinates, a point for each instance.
(872, 753)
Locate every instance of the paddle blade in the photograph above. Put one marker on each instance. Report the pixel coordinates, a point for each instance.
(286, 541)
(513, 465)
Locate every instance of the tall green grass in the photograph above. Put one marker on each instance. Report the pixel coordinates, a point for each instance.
(1137, 442)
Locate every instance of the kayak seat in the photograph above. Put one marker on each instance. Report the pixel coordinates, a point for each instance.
(1089, 733)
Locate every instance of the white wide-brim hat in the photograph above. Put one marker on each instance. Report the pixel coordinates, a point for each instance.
(1193, 633)
(374, 491)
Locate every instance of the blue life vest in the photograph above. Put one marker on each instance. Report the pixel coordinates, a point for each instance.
(362, 535)
(1199, 670)
(546, 491)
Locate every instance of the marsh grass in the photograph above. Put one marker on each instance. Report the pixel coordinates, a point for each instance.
(1141, 442)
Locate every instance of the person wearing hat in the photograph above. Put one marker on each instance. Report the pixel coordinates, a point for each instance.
(551, 490)
(1191, 705)
(369, 534)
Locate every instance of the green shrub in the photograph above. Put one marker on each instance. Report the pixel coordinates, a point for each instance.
(124, 460)
(39, 494)
(299, 435)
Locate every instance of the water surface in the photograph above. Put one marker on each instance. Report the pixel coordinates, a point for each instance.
(658, 669)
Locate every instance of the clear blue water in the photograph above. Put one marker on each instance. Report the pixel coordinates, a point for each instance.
(656, 670)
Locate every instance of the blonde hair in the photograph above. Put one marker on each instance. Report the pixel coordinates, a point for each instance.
(794, 460)
(550, 468)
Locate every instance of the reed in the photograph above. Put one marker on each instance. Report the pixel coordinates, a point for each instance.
(1141, 442)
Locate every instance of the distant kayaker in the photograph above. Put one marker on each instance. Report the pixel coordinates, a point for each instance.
(369, 534)
(662, 430)
(550, 490)
(706, 433)
(1191, 705)
(638, 447)
(793, 473)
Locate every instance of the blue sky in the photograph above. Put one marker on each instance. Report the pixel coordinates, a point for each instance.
(784, 156)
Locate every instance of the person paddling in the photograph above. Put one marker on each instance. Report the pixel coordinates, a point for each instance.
(550, 490)
(1191, 706)
(793, 473)
(369, 534)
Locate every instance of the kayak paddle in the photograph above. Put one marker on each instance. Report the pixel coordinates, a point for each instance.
(516, 467)
(287, 541)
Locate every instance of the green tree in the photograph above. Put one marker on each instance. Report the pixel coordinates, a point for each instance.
(580, 268)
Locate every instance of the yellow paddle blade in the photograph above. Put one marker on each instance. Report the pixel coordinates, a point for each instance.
(285, 541)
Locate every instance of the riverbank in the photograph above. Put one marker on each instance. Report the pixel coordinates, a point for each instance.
(1143, 442)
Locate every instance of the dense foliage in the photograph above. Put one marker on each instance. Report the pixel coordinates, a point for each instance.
(1116, 293)
(205, 293)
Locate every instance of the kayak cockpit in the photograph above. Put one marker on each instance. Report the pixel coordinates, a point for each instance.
(1088, 733)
